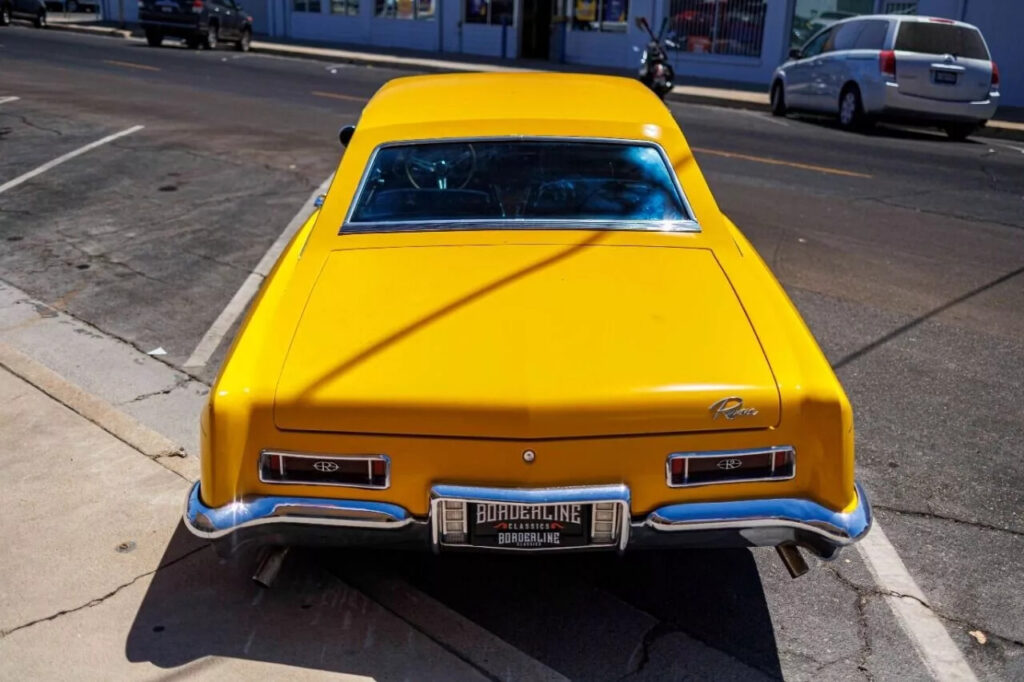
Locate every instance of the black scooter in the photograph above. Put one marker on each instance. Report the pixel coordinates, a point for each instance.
(655, 70)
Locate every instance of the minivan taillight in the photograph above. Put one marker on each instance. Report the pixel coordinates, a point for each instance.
(995, 75)
(197, 6)
(887, 63)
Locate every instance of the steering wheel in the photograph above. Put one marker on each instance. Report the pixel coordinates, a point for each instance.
(440, 166)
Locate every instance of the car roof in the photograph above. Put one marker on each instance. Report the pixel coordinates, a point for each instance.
(513, 98)
(905, 18)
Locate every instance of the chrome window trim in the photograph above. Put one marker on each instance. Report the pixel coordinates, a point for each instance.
(718, 454)
(349, 457)
(689, 225)
(592, 495)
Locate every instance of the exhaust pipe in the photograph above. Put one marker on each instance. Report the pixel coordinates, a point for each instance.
(793, 560)
(268, 569)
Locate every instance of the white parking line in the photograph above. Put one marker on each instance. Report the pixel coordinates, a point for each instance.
(67, 157)
(936, 648)
(761, 116)
(238, 303)
(5, 100)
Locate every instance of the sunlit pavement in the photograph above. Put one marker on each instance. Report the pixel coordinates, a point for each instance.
(901, 249)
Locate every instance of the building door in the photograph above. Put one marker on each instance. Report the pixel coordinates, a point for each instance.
(536, 29)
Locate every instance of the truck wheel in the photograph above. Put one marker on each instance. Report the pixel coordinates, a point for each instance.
(245, 41)
(960, 131)
(154, 38)
(210, 39)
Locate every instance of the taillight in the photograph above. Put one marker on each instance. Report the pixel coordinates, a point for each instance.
(358, 471)
(703, 468)
(197, 6)
(887, 63)
(939, 20)
(995, 75)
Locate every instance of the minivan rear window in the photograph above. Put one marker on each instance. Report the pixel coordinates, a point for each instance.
(937, 38)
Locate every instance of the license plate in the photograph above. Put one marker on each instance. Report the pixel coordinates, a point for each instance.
(165, 8)
(528, 526)
(945, 77)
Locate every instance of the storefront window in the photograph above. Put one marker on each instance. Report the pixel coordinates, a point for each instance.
(306, 6)
(600, 15)
(405, 9)
(347, 7)
(810, 16)
(728, 27)
(495, 12)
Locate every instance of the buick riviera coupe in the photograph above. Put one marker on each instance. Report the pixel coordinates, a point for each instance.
(519, 322)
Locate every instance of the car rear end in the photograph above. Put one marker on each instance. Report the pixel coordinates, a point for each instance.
(173, 18)
(936, 71)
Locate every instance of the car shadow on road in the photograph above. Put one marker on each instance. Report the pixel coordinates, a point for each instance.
(669, 614)
(884, 130)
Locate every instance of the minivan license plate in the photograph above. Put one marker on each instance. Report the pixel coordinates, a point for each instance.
(945, 77)
(528, 526)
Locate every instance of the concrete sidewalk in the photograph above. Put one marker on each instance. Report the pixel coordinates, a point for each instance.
(99, 580)
(1009, 124)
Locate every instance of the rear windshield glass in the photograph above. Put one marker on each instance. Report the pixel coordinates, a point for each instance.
(935, 38)
(507, 183)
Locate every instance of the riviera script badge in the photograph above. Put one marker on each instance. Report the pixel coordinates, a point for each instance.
(731, 408)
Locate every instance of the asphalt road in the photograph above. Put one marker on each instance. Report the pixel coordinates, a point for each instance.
(902, 250)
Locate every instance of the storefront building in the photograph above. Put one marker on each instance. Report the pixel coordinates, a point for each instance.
(739, 41)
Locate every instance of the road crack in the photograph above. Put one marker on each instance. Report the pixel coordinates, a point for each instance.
(180, 382)
(30, 124)
(642, 654)
(942, 517)
(863, 591)
(99, 600)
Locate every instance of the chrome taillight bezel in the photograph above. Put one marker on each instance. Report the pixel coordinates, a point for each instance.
(372, 483)
(786, 473)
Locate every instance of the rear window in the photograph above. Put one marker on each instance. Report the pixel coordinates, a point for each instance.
(937, 38)
(510, 184)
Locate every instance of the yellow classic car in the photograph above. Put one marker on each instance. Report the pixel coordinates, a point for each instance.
(519, 322)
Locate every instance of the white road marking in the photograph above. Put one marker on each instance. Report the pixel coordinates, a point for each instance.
(67, 157)
(766, 118)
(238, 303)
(936, 648)
(5, 100)
(1006, 146)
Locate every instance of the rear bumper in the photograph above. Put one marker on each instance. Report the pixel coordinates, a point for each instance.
(892, 104)
(321, 521)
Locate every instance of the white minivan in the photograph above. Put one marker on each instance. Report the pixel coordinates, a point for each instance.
(921, 70)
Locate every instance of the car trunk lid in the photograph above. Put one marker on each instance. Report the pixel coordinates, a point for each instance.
(524, 341)
(942, 61)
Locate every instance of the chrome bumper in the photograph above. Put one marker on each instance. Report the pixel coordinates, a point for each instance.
(740, 523)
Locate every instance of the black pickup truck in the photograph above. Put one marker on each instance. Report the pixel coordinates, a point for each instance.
(201, 23)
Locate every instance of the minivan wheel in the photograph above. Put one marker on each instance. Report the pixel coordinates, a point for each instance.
(778, 100)
(154, 38)
(210, 39)
(40, 20)
(851, 112)
(960, 131)
(244, 42)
